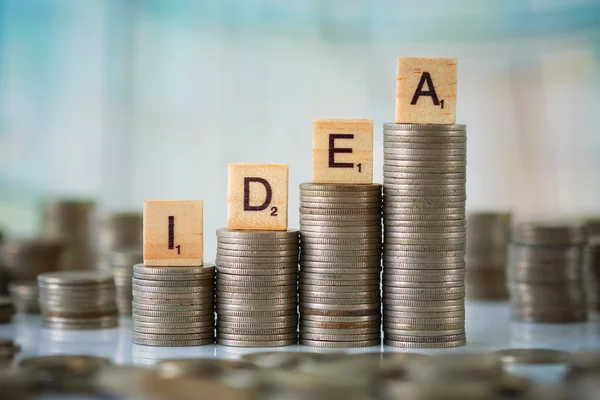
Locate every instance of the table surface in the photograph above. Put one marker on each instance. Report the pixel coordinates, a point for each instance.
(489, 327)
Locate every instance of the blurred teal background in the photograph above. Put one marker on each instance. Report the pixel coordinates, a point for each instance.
(126, 100)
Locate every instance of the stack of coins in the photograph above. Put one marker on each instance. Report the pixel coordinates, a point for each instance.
(340, 265)
(591, 266)
(173, 306)
(119, 230)
(488, 236)
(25, 296)
(7, 309)
(424, 176)
(257, 273)
(25, 259)
(77, 300)
(121, 263)
(545, 271)
(72, 222)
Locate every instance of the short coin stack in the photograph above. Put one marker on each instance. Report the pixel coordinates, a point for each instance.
(488, 236)
(173, 306)
(77, 300)
(545, 272)
(121, 263)
(25, 296)
(340, 265)
(257, 301)
(424, 178)
(118, 231)
(591, 267)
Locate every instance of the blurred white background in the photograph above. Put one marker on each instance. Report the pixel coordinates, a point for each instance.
(127, 100)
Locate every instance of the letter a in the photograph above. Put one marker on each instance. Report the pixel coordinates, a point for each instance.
(425, 78)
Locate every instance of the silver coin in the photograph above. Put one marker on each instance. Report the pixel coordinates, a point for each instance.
(258, 338)
(222, 300)
(255, 289)
(339, 337)
(75, 278)
(173, 302)
(429, 345)
(422, 218)
(199, 325)
(428, 191)
(344, 201)
(255, 343)
(374, 318)
(262, 242)
(329, 240)
(409, 145)
(424, 247)
(342, 307)
(166, 337)
(314, 213)
(167, 284)
(342, 208)
(158, 289)
(257, 271)
(222, 295)
(275, 254)
(241, 280)
(221, 258)
(424, 323)
(259, 324)
(398, 286)
(549, 234)
(424, 314)
(307, 224)
(174, 321)
(223, 330)
(173, 343)
(395, 327)
(304, 331)
(306, 299)
(255, 265)
(310, 270)
(372, 264)
(273, 248)
(392, 138)
(339, 259)
(152, 270)
(340, 344)
(395, 241)
(160, 307)
(172, 331)
(425, 130)
(422, 308)
(194, 296)
(258, 319)
(337, 277)
(256, 234)
(331, 187)
(338, 289)
(312, 229)
(425, 276)
(353, 247)
(426, 337)
(171, 314)
(312, 253)
(290, 306)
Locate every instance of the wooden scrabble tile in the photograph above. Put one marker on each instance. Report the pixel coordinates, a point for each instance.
(258, 196)
(343, 150)
(426, 90)
(173, 233)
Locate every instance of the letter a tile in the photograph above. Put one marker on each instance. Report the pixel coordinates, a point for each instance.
(258, 196)
(173, 233)
(343, 151)
(426, 90)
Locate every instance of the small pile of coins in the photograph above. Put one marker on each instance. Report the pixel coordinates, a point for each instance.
(256, 298)
(77, 300)
(545, 273)
(424, 195)
(121, 264)
(118, 231)
(25, 296)
(72, 222)
(173, 306)
(591, 266)
(340, 265)
(488, 234)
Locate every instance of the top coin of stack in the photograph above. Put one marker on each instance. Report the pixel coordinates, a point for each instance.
(340, 265)
(77, 300)
(173, 306)
(424, 235)
(71, 221)
(118, 231)
(545, 272)
(256, 297)
(591, 267)
(488, 236)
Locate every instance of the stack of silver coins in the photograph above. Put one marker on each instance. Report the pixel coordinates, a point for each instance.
(118, 231)
(591, 266)
(25, 259)
(488, 235)
(72, 222)
(257, 301)
(545, 273)
(173, 306)
(340, 265)
(25, 296)
(77, 300)
(121, 264)
(424, 176)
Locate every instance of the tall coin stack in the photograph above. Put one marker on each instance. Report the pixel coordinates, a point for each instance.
(72, 222)
(77, 300)
(488, 235)
(591, 267)
(545, 273)
(340, 265)
(118, 231)
(121, 263)
(256, 298)
(173, 306)
(424, 235)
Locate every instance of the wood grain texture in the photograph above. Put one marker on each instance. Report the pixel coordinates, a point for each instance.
(343, 150)
(258, 196)
(176, 241)
(435, 80)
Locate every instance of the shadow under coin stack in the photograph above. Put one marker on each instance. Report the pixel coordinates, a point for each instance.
(71, 221)
(173, 306)
(591, 267)
(340, 265)
(121, 263)
(424, 196)
(545, 273)
(25, 296)
(488, 236)
(77, 300)
(256, 298)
